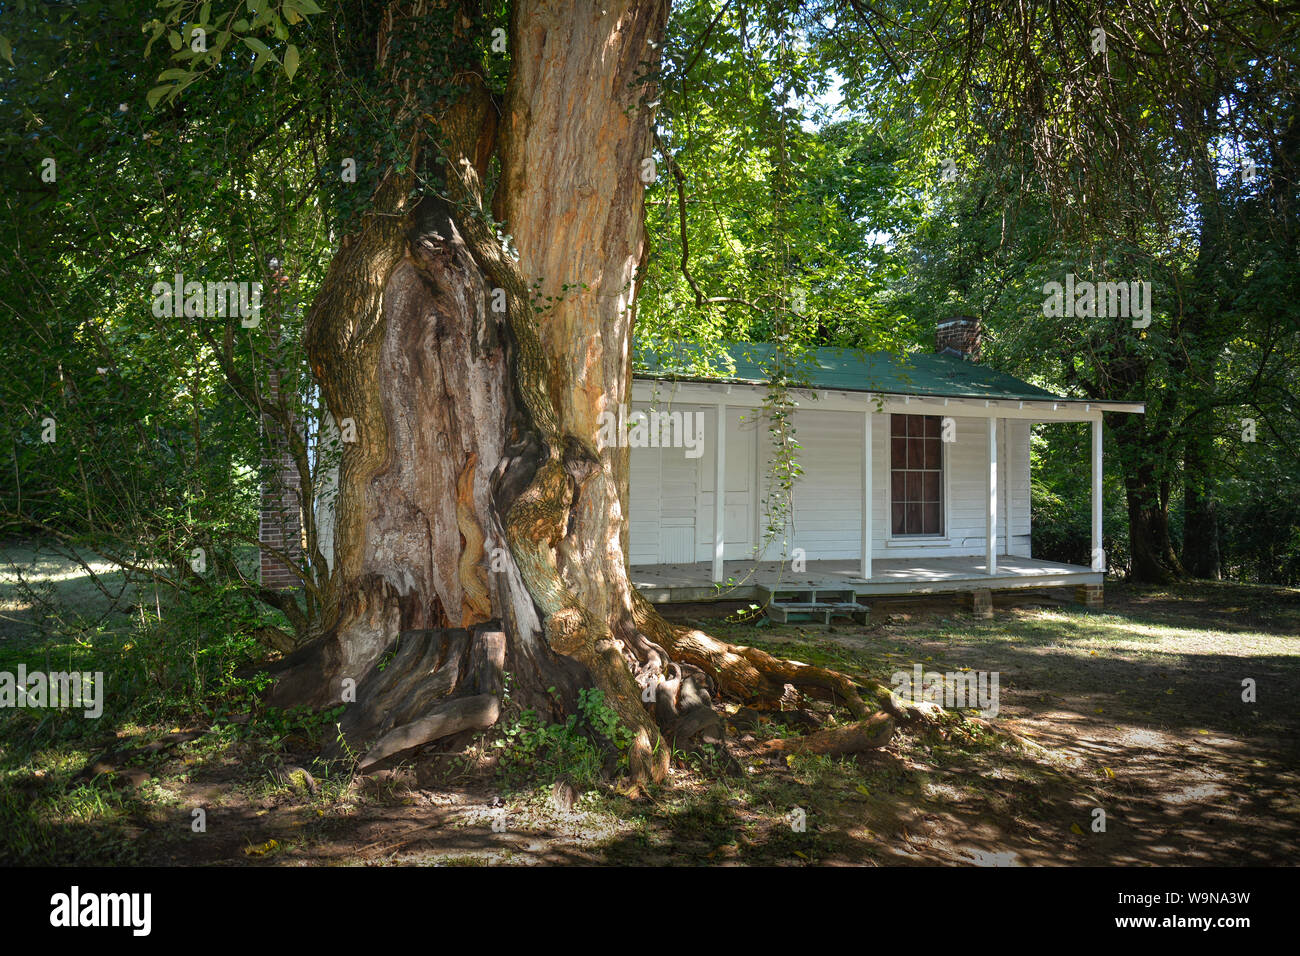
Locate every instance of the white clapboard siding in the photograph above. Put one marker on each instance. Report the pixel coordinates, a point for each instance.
(670, 493)
(643, 507)
(1018, 486)
(664, 491)
(966, 491)
(828, 495)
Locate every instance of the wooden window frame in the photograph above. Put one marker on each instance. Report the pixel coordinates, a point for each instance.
(921, 482)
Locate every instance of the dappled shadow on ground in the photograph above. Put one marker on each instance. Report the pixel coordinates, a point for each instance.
(1233, 608)
(1135, 711)
(1146, 723)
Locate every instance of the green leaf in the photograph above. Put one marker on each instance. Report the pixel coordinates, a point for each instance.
(154, 95)
(262, 58)
(257, 46)
(7, 50)
(291, 61)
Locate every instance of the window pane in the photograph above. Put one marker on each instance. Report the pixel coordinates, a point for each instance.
(913, 518)
(916, 474)
(913, 486)
(898, 452)
(931, 522)
(915, 452)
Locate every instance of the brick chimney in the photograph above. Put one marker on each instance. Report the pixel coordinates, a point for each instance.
(280, 527)
(281, 517)
(959, 335)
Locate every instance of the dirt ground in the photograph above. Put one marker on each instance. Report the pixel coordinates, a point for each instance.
(1136, 710)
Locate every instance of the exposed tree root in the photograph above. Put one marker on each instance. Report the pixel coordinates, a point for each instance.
(443, 720)
(747, 674)
(870, 734)
(437, 683)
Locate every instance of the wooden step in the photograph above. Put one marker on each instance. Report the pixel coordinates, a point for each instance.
(785, 611)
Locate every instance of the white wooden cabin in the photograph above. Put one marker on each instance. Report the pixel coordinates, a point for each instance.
(915, 477)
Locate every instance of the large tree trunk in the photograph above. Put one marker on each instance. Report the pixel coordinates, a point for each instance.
(1200, 510)
(480, 522)
(1151, 549)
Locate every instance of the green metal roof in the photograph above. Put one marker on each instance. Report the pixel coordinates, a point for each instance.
(939, 375)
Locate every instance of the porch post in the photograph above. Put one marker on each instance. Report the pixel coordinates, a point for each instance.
(719, 491)
(866, 495)
(991, 517)
(1098, 556)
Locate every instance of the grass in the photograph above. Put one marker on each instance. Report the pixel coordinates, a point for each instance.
(45, 595)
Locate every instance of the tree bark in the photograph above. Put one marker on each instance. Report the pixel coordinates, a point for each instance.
(1200, 510)
(1151, 549)
(480, 522)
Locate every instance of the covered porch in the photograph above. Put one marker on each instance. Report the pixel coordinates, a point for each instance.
(914, 479)
(748, 580)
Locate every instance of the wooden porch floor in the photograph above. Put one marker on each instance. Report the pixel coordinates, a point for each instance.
(673, 583)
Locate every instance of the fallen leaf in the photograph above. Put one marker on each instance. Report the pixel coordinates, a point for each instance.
(270, 846)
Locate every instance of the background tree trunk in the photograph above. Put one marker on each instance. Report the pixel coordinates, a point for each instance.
(1150, 547)
(1200, 511)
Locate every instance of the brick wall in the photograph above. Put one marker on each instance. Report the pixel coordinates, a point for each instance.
(280, 528)
(281, 524)
(961, 333)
